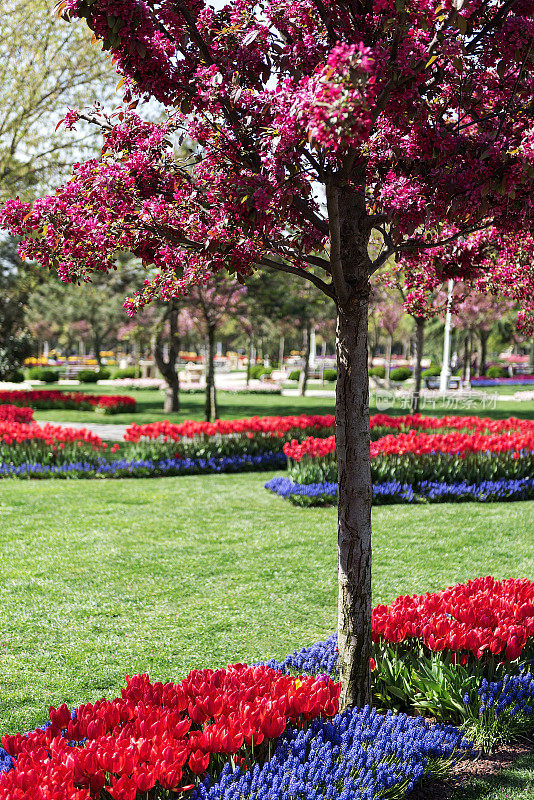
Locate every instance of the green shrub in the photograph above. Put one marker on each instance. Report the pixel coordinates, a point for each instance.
(294, 375)
(496, 372)
(258, 370)
(43, 374)
(432, 372)
(400, 374)
(378, 372)
(127, 372)
(330, 375)
(87, 376)
(17, 376)
(104, 374)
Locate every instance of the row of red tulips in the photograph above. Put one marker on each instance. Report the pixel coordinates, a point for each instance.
(16, 414)
(162, 735)
(279, 426)
(53, 398)
(483, 617)
(417, 443)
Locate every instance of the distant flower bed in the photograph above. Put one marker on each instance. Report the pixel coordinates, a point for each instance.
(45, 399)
(102, 467)
(273, 730)
(250, 436)
(517, 380)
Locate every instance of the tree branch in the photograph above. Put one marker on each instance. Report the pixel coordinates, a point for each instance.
(338, 279)
(327, 288)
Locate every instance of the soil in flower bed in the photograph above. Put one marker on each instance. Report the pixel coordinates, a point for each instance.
(490, 768)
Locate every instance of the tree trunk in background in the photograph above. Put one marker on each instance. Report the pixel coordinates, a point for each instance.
(419, 343)
(97, 344)
(250, 351)
(211, 412)
(389, 347)
(281, 353)
(469, 353)
(532, 353)
(483, 337)
(167, 366)
(304, 372)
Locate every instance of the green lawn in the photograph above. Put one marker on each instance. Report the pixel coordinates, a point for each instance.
(150, 404)
(101, 579)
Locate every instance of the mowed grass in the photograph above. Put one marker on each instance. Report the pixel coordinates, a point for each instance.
(235, 405)
(103, 579)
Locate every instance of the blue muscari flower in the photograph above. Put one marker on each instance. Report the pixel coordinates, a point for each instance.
(424, 491)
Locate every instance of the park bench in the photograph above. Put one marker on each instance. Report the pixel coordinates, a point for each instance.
(433, 382)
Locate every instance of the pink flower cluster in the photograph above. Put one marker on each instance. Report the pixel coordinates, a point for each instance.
(161, 735)
(53, 398)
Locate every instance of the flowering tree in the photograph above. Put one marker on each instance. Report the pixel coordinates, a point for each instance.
(389, 310)
(413, 121)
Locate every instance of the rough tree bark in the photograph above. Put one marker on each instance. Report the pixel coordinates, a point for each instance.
(419, 342)
(347, 213)
(210, 407)
(167, 366)
(305, 371)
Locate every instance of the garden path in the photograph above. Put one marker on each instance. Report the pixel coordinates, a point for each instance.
(110, 433)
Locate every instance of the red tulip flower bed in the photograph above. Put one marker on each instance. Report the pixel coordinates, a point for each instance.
(224, 437)
(22, 443)
(485, 452)
(162, 735)
(483, 617)
(53, 398)
(16, 414)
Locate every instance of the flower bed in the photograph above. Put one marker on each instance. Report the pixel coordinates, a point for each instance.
(391, 492)
(16, 414)
(517, 380)
(46, 444)
(438, 653)
(223, 437)
(273, 731)
(483, 461)
(102, 467)
(53, 398)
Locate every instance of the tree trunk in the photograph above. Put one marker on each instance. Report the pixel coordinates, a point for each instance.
(97, 345)
(250, 351)
(303, 377)
(483, 336)
(531, 360)
(354, 507)
(419, 343)
(388, 360)
(281, 353)
(469, 353)
(211, 412)
(166, 362)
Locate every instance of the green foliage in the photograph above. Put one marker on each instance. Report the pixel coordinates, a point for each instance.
(496, 372)
(87, 376)
(14, 348)
(43, 374)
(126, 372)
(258, 370)
(17, 376)
(330, 375)
(92, 376)
(377, 372)
(400, 374)
(294, 375)
(432, 372)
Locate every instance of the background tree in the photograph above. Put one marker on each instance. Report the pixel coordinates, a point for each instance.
(413, 121)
